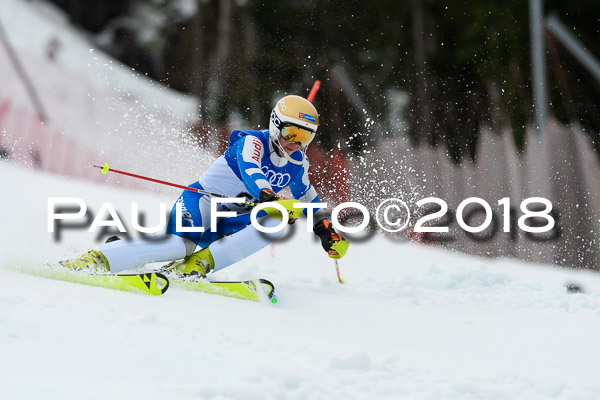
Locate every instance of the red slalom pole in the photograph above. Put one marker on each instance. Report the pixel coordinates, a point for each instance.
(313, 91)
(105, 169)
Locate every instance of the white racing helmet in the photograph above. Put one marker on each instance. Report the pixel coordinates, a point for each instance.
(294, 119)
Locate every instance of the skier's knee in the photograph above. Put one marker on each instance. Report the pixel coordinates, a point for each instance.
(190, 246)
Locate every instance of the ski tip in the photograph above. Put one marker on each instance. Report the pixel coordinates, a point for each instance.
(162, 282)
(270, 290)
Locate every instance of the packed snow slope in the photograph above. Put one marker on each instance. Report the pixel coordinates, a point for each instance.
(412, 322)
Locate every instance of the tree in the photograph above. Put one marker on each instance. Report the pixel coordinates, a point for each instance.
(463, 65)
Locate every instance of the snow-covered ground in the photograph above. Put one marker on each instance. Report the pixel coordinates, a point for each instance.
(98, 109)
(412, 322)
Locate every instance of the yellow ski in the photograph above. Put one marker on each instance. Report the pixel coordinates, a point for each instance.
(153, 283)
(254, 290)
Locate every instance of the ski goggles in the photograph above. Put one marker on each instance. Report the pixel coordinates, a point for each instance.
(295, 134)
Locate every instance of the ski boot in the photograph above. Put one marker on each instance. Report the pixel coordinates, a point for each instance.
(199, 263)
(93, 260)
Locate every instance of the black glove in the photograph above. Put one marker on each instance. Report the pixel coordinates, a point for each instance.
(330, 239)
(267, 195)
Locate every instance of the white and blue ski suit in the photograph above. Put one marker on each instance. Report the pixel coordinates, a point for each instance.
(249, 165)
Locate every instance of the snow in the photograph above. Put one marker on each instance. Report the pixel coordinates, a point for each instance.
(76, 54)
(411, 322)
(98, 109)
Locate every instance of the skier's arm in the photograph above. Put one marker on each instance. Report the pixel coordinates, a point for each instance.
(249, 154)
(333, 243)
(302, 190)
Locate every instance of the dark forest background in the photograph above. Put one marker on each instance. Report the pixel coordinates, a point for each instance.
(434, 71)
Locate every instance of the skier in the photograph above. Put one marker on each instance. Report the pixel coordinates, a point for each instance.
(256, 165)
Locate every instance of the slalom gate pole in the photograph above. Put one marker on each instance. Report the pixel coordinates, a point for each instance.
(105, 169)
(313, 91)
(311, 97)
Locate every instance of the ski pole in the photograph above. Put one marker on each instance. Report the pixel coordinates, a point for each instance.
(311, 97)
(105, 169)
(337, 269)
